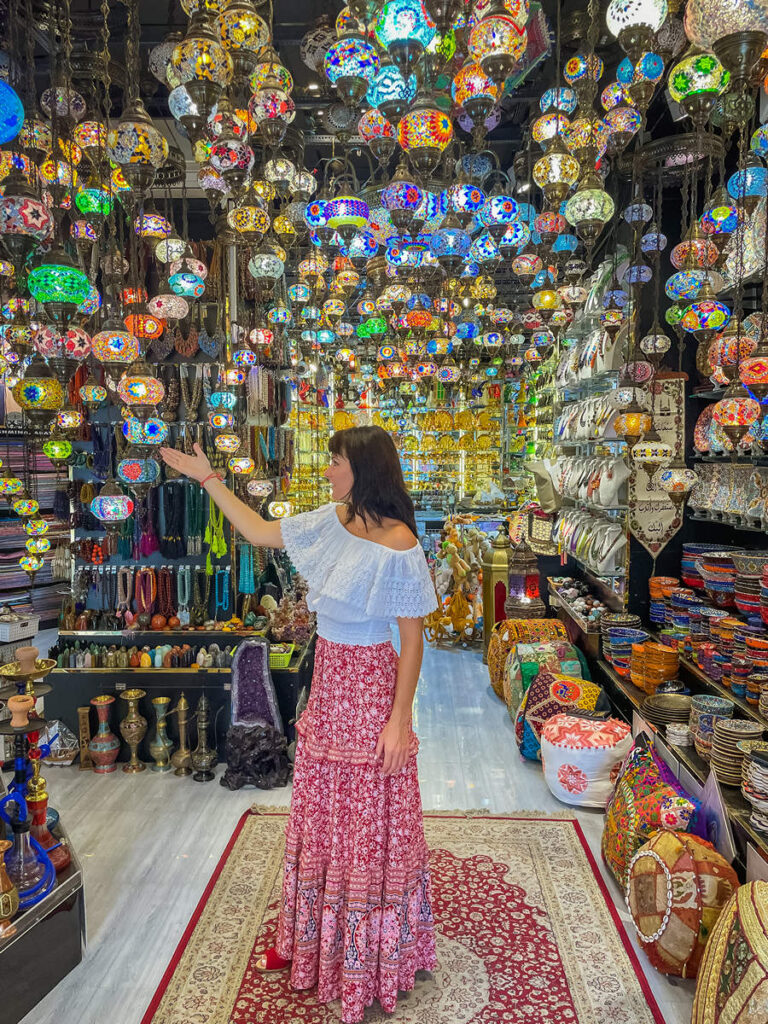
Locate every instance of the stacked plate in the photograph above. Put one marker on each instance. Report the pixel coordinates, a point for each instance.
(726, 758)
(745, 748)
(750, 566)
(763, 703)
(608, 620)
(754, 786)
(663, 708)
(620, 643)
(764, 595)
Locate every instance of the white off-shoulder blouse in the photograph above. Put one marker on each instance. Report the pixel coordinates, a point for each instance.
(357, 587)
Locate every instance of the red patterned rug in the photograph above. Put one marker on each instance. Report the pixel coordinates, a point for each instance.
(526, 934)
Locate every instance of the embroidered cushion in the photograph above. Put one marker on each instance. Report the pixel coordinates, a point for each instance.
(732, 983)
(678, 886)
(641, 804)
(582, 758)
(513, 631)
(551, 694)
(525, 660)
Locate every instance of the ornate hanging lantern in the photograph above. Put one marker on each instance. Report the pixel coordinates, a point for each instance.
(423, 134)
(404, 29)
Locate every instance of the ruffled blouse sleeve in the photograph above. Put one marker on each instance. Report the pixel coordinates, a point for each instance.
(306, 539)
(402, 586)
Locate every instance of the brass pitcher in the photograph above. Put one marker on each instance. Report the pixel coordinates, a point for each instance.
(181, 759)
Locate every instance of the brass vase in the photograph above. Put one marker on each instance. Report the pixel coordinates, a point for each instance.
(204, 759)
(160, 746)
(181, 759)
(133, 729)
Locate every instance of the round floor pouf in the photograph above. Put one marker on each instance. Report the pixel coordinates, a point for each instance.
(732, 984)
(678, 885)
(581, 758)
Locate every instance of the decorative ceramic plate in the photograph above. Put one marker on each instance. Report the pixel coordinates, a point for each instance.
(701, 430)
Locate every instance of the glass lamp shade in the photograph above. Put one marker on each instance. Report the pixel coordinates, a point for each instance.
(59, 282)
(92, 394)
(138, 387)
(623, 123)
(70, 419)
(271, 103)
(135, 469)
(612, 95)
(35, 527)
(705, 315)
(241, 29)
(589, 210)
(115, 347)
(694, 252)
(583, 132)
(201, 57)
(351, 65)
(424, 133)
(655, 343)
(168, 305)
(347, 215)
(404, 29)
(66, 101)
(484, 249)
(736, 412)
(497, 42)
(556, 173)
(550, 224)
(137, 147)
(169, 249)
(474, 90)
(31, 564)
(223, 400)
(24, 222)
(37, 545)
(391, 92)
(707, 21)
(653, 243)
(363, 247)
(227, 443)
(144, 324)
(11, 113)
(532, 355)
(696, 82)
(632, 424)
(560, 99)
(581, 69)
(241, 465)
(261, 336)
(627, 15)
(750, 184)
(676, 480)
(244, 357)
(250, 222)
(265, 265)
(151, 225)
(221, 420)
(546, 128)
(38, 391)
(187, 284)
(152, 431)
(111, 505)
(450, 245)
(232, 158)
(373, 125)
(753, 374)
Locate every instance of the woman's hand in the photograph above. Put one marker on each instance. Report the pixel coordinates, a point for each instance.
(393, 747)
(196, 466)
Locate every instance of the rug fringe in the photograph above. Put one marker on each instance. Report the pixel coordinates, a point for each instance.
(459, 812)
(269, 809)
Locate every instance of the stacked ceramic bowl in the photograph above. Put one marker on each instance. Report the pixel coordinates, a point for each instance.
(726, 758)
(608, 620)
(705, 711)
(749, 566)
(689, 571)
(757, 653)
(764, 595)
(717, 570)
(620, 643)
(652, 665)
(763, 702)
(745, 748)
(658, 607)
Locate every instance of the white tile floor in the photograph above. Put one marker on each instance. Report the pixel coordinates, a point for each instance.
(149, 843)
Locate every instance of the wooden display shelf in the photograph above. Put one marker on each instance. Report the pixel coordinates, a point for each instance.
(738, 808)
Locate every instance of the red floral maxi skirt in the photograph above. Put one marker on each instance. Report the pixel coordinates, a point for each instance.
(356, 914)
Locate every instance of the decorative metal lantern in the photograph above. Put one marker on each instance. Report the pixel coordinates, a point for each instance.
(111, 506)
(523, 600)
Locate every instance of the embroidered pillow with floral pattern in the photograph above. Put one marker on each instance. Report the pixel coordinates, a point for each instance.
(641, 804)
(552, 694)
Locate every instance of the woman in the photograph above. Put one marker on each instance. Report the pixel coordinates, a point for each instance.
(356, 915)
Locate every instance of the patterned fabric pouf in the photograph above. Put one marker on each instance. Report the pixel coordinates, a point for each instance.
(732, 986)
(678, 886)
(548, 695)
(525, 660)
(642, 803)
(515, 631)
(582, 759)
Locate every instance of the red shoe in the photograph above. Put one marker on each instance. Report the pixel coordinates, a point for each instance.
(270, 961)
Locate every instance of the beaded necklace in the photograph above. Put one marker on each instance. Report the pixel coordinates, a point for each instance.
(183, 581)
(193, 519)
(222, 595)
(199, 611)
(247, 583)
(124, 582)
(145, 590)
(165, 593)
(191, 398)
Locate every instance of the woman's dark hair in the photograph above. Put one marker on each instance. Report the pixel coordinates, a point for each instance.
(378, 491)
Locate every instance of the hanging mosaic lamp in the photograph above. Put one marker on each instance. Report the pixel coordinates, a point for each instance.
(59, 284)
(696, 82)
(404, 29)
(114, 346)
(736, 412)
(351, 65)
(652, 453)
(423, 134)
(749, 185)
(474, 91)
(556, 172)
(11, 113)
(137, 147)
(590, 208)
(138, 470)
(139, 389)
(111, 506)
(391, 92)
(39, 394)
(201, 63)
(377, 133)
(244, 34)
(497, 42)
(92, 394)
(676, 480)
(634, 23)
(57, 449)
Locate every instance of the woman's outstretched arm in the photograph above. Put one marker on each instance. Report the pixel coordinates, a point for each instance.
(247, 522)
